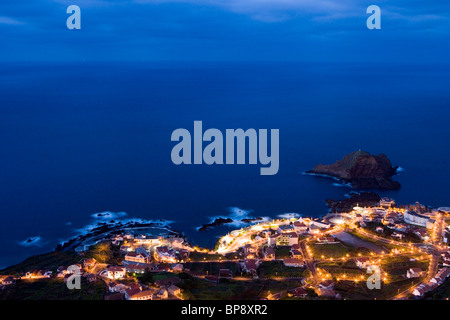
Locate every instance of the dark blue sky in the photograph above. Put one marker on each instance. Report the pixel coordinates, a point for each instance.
(256, 30)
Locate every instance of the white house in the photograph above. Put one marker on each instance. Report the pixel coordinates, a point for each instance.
(300, 227)
(273, 240)
(415, 273)
(446, 258)
(288, 239)
(362, 262)
(174, 290)
(412, 217)
(420, 290)
(116, 272)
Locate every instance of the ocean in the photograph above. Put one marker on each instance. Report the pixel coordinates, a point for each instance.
(83, 138)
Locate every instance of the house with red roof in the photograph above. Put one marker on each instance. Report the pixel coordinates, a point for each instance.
(327, 284)
(250, 266)
(293, 262)
(298, 293)
(440, 277)
(362, 262)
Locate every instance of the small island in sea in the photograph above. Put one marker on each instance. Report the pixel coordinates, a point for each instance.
(361, 170)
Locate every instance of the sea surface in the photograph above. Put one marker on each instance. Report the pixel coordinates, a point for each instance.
(84, 138)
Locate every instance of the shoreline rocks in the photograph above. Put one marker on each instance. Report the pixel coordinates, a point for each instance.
(217, 222)
(221, 221)
(363, 199)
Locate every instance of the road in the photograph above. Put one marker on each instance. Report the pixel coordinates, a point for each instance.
(432, 270)
(437, 230)
(309, 262)
(240, 242)
(435, 256)
(380, 239)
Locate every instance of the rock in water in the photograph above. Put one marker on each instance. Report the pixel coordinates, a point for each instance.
(362, 170)
(217, 222)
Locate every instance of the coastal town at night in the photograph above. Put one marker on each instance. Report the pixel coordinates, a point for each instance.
(222, 158)
(339, 256)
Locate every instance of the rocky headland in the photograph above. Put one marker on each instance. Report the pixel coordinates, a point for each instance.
(361, 170)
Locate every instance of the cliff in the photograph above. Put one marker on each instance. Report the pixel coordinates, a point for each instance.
(362, 170)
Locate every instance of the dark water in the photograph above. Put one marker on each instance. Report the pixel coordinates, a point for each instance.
(86, 138)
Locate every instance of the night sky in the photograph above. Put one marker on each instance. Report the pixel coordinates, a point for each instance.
(225, 30)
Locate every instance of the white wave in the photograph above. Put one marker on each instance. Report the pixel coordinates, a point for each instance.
(31, 241)
(351, 193)
(321, 175)
(112, 219)
(346, 185)
(108, 215)
(237, 215)
(289, 215)
(238, 212)
(235, 223)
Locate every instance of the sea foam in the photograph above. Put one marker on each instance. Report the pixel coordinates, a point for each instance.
(31, 241)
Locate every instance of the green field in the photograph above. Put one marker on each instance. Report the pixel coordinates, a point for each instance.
(387, 233)
(52, 289)
(386, 247)
(332, 250)
(397, 266)
(404, 262)
(201, 256)
(360, 291)
(199, 289)
(105, 252)
(47, 261)
(212, 268)
(282, 252)
(338, 268)
(269, 269)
